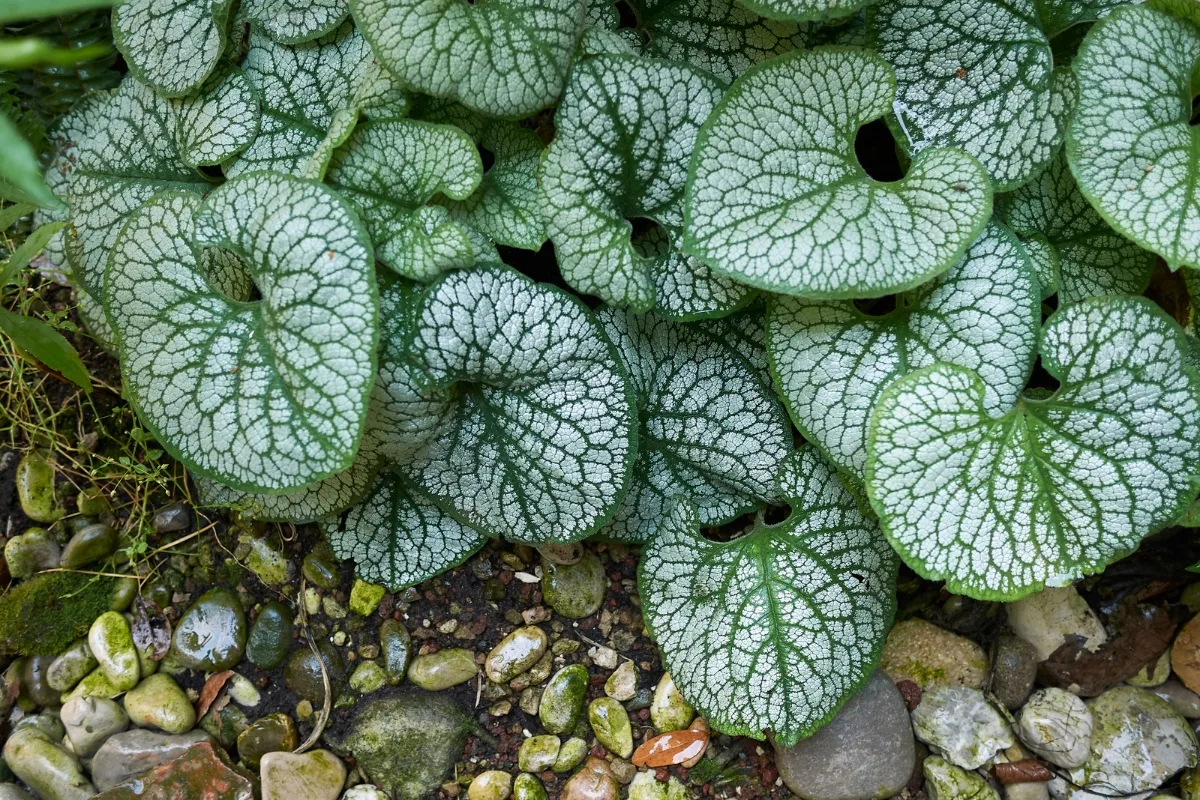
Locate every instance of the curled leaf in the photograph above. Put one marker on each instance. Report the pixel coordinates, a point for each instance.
(151, 629)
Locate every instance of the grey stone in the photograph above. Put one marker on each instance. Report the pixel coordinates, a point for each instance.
(10, 791)
(1057, 726)
(1048, 618)
(944, 781)
(867, 751)
(961, 725)
(172, 518)
(1014, 667)
(90, 721)
(129, 754)
(70, 667)
(211, 634)
(315, 775)
(31, 552)
(47, 768)
(1181, 698)
(406, 741)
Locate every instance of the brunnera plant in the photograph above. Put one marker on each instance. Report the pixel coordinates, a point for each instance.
(318, 236)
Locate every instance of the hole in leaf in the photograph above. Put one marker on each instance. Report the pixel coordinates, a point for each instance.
(487, 157)
(213, 171)
(642, 226)
(776, 514)
(1041, 379)
(627, 14)
(1195, 120)
(876, 306)
(542, 267)
(875, 148)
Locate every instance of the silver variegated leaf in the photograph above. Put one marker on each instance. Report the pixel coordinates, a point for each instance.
(171, 45)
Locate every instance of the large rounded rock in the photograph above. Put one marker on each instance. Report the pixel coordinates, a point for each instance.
(1057, 726)
(270, 638)
(406, 742)
(133, 752)
(1138, 742)
(493, 784)
(929, 656)
(89, 545)
(1014, 668)
(574, 590)
(211, 635)
(111, 643)
(610, 723)
(1047, 619)
(31, 552)
(90, 721)
(71, 666)
(35, 681)
(669, 711)
(47, 768)
(271, 734)
(944, 781)
(595, 781)
(303, 672)
(961, 725)
(867, 751)
(315, 775)
(443, 669)
(35, 489)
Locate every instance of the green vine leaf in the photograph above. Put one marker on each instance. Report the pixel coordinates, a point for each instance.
(294, 21)
(777, 199)
(540, 440)
(264, 396)
(718, 36)
(507, 207)
(216, 125)
(391, 170)
(1057, 488)
(1091, 258)
(831, 361)
(171, 45)
(505, 58)
(624, 129)
(129, 154)
(709, 429)
(978, 75)
(1131, 147)
(399, 537)
(777, 629)
(302, 88)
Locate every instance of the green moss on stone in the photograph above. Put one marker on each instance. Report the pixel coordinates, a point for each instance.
(45, 614)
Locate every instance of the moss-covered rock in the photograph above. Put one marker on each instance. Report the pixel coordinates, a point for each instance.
(48, 612)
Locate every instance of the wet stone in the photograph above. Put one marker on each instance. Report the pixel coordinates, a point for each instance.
(272, 733)
(528, 787)
(266, 560)
(538, 753)
(443, 669)
(270, 638)
(595, 781)
(303, 672)
(211, 634)
(172, 518)
(92, 544)
(321, 569)
(47, 768)
(225, 725)
(365, 597)
(622, 684)
(1181, 698)
(668, 710)
(1014, 668)
(927, 655)
(570, 755)
(1057, 726)
(128, 754)
(574, 590)
(406, 742)
(70, 667)
(537, 674)
(159, 702)
(31, 552)
(960, 724)
(90, 721)
(35, 489)
(867, 751)
(562, 700)
(11, 791)
(516, 653)
(1047, 619)
(368, 677)
(490, 785)
(91, 502)
(610, 723)
(1138, 742)
(111, 643)
(35, 683)
(315, 775)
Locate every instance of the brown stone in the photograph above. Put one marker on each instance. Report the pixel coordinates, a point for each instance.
(201, 773)
(1185, 654)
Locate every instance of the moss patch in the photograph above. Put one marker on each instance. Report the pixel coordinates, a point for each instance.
(43, 615)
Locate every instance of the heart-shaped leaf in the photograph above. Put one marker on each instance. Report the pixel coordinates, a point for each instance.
(293, 21)
(720, 36)
(978, 75)
(129, 154)
(625, 128)
(305, 91)
(831, 361)
(219, 123)
(171, 45)
(391, 170)
(1057, 488)
(709, 429)
(541, 436)
(399, 537)
(776, 629)
(507, 207)
(1131, 146)
(506, 58)
(777, 199)
(263, 396)
(1091, 259)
